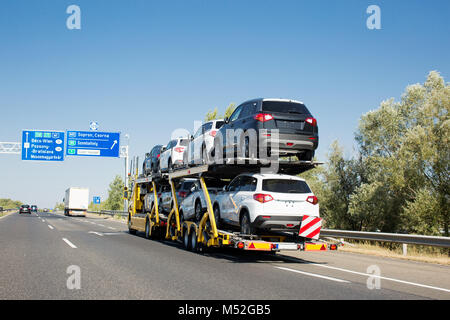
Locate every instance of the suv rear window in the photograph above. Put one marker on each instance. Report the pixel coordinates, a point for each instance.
(285, 186)
(284, 107)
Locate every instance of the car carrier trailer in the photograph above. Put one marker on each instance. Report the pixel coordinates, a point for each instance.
(198, 236)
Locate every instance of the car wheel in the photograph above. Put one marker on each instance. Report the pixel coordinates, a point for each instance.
(308, 155)
(198, 211)
(217, 216)
(169, 165)
(204, 155)
(246, 227)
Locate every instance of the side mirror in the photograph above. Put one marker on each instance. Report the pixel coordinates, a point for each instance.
(224, 188)
(191, 137)
(226, 120)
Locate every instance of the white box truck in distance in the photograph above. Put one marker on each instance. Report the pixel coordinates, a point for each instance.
(76, 201)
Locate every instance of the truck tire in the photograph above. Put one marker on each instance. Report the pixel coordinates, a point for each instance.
(193, 240)
(186, 240)
(198, 211)
(130, 230)
(217, 216)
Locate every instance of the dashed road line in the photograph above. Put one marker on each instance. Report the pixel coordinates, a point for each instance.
(51, 227)
(69, 243)
(313, 275)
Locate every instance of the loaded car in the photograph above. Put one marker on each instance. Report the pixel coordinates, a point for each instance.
(172, 156)
(298, 130)
(194, 204)
(24, 209)
(34, 208)
(151, 162)
(262, 202)
(202, 142)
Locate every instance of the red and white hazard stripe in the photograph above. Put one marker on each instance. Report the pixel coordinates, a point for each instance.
(310, 227)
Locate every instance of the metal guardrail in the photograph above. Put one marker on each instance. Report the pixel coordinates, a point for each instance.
(110, 212)
(388, 237)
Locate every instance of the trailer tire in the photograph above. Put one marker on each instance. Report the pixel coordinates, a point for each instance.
(193, 240)
(198, 211)
(186, 240)
(130, 230)
(148, 231)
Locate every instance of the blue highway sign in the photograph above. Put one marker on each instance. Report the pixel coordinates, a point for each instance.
(93, 144)
(96, 200)
(42, 145)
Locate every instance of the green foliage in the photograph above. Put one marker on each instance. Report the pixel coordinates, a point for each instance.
(400, 180)
(59, 206)
(213, 115)
(115, 195)
(10, 204)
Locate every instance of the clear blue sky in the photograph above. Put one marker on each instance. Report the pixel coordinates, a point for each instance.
(148, 67)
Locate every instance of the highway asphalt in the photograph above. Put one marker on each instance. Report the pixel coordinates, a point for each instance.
(37, 250)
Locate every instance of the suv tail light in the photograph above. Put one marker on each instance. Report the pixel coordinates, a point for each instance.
(212, 133)
(182, 194)
(260, 197)
(312, 199)
(179, 149)
(157, 156)
(311, 121)
(263, 117)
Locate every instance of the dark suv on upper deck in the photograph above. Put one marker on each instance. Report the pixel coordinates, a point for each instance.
(298, 130)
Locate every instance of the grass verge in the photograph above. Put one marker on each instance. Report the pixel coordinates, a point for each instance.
(391, 250)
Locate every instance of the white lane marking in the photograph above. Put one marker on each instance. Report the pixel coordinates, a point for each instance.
(101, 225)
(384, 278)
(42, 220)
(50, 227)
(313, 275)
(97, 233)
(69, 243)
(111, 228)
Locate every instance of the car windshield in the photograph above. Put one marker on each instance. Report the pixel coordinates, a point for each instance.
(284, 107)
(285, 186)
(25, 206)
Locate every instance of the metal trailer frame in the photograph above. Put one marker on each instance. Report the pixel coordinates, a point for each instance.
(204, 234)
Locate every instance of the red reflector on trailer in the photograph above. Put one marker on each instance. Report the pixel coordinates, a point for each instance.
(240, 245)
(289, 144)
(333, 247)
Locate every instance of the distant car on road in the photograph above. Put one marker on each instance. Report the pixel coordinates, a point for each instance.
(45, 210)
(24, 209)
(34, 208)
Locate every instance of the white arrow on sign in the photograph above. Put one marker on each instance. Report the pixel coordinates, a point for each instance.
(115, 142)
(26, 145)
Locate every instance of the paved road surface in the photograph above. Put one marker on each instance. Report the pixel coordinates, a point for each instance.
(37, 249)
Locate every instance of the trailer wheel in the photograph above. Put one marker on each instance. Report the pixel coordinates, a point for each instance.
(186, 240)
(130, 230)
(193, 240)
(148, 231)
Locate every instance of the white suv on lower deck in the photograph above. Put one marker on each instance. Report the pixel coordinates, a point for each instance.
(265, 202)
